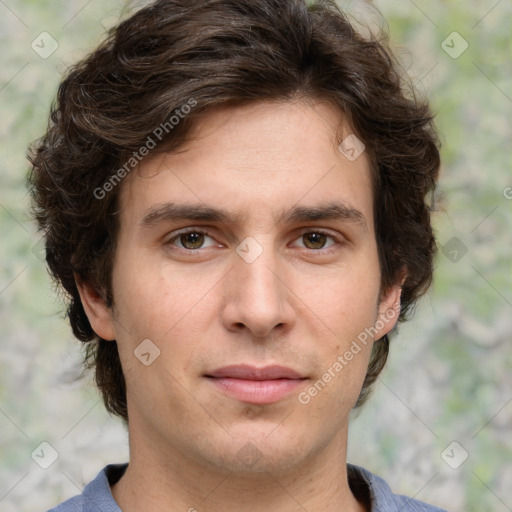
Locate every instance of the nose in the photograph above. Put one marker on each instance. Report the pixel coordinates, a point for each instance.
(257, 296)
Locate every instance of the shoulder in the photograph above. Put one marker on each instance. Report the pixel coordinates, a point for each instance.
(382, 497)
(96, 494)
(75, 504)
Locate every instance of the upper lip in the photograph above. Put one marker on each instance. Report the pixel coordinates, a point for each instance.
(248, 372)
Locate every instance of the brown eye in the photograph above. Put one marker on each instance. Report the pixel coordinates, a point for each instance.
(314, 240)
(192, 240)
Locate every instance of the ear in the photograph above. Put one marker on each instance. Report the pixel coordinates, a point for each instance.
(388, 311)
(99, 315)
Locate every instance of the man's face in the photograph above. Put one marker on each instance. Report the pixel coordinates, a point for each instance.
(263, 288)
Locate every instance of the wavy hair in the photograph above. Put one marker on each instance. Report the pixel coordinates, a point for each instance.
(221, 52)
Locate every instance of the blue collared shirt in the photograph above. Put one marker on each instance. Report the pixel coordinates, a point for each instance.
(97, 497)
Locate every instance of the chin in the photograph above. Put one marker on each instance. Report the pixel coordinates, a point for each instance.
(256, 452)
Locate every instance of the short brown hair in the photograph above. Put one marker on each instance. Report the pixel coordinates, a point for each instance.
(220, 52)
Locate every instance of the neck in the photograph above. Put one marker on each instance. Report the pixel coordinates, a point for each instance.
(168, 480)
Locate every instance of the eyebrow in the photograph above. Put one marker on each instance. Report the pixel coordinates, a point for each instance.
(167, 212)
(334, 210)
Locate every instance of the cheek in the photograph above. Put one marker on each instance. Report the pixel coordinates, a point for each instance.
(345, 307)
(345, 300)
(153, 298)
(334, 392)
(172, 309)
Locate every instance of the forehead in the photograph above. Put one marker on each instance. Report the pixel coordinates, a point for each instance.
(255, 161)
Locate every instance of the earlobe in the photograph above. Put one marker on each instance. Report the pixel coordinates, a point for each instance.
(96, 309)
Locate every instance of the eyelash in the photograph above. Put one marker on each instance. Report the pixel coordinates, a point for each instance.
(302, 233)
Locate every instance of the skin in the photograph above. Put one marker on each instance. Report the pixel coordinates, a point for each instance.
(299, 304)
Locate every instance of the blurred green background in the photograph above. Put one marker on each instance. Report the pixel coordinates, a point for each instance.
(439, 424)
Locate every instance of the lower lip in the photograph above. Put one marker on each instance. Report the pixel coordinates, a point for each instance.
(256, 391)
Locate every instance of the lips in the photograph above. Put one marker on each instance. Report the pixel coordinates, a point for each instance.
(255, 385)
(248, 372)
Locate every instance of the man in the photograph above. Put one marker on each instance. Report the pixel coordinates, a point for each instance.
(233, 194)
